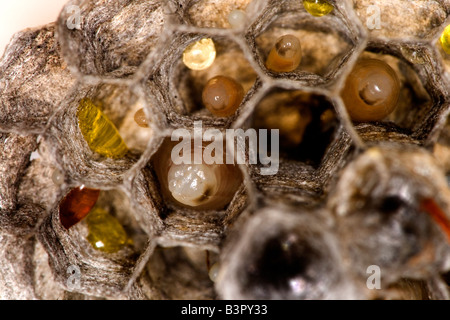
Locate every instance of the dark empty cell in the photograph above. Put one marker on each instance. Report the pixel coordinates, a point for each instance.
(284, 265)
(306, 123)
(391, 204)
(446, 278)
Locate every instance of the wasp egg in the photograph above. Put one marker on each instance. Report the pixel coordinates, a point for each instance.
(99, 132)
(318, 8)
(237, 19)
(76, 205)
(199, 55)
(57, 177)
(140, 118)
(199, 186)
(222, 96)
(214, 271)
(371, 91)
(286, 55)
(445, 39)
(105, 231)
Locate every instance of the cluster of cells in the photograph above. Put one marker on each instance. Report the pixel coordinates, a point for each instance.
(271, 75)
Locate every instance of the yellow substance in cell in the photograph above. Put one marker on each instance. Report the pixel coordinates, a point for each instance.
(445, 39)
(200, 55)
(105, 232)
(99, 132)
(318, 8)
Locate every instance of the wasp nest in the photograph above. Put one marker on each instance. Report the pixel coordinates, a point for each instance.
(359, 207)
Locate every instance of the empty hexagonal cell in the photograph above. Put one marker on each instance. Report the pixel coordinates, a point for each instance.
(196, 201)
(96, 252)
(95, 41)
(401, 19)
(302, 45)
(282, 253)
(205, 78)
(307, 125)
(96, 130)
(388, 87)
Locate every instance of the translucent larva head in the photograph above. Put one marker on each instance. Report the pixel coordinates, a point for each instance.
(200, 186)
(286, 54)
(192, 184)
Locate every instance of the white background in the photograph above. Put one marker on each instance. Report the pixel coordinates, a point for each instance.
(16, 15)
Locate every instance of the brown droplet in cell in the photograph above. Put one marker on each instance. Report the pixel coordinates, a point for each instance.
(140, 118)
(76, 205)
(371, 91)
(222, 96)
(286, 55)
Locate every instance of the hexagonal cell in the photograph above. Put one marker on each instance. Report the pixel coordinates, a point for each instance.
(213, 13)
(172, 270)
(420, 94)
(400, 212)
(326, 42)
(401, 19)
(282, 253)
(196, 201)
(95, 41)
(307, 125)
(40, 68)
(180, 88)
(100, 249)
(96, 130)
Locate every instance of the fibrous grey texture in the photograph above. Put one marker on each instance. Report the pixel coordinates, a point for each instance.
(126, 55)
